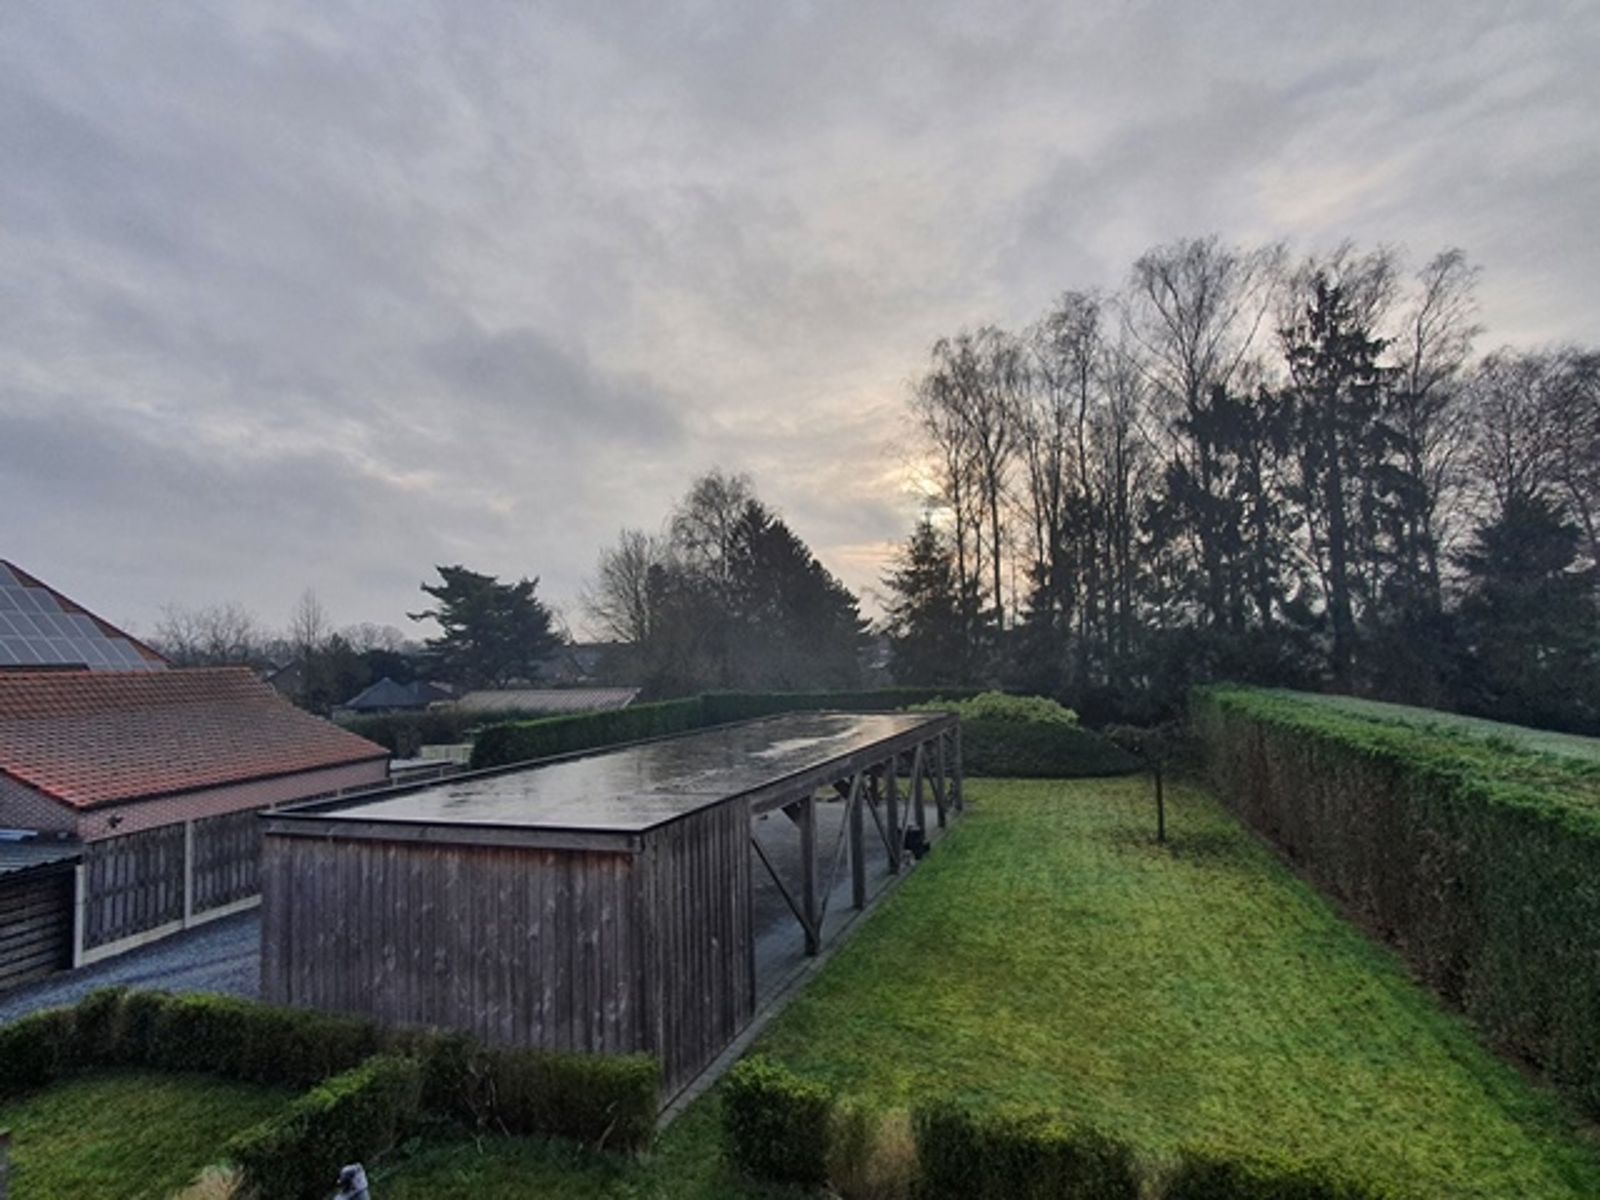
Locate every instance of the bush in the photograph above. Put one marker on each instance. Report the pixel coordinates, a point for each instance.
(1000, 708)
(1018, 1156)
(1479, 861)
(607, 1102)
(1030, 737)
(521, 741)
(1214, 1175)
(36, 1050)
(873, 1155)
(220, 1035)
(403, 734)
(296, 1155)
(777, 1127)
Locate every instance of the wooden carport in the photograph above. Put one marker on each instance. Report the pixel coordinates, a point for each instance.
(598, 902)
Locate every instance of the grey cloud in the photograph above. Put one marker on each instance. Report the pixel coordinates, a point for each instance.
(305, 294)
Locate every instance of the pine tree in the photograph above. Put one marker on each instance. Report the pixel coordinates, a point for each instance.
(927, 629)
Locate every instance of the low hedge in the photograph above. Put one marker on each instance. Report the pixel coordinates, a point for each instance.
(724, 707)
(519, 741)
(1018, 1156)
(1038, 751)
(1477, 860)
(1205, 1174)
(355, 1116)
(777, 1127)
(37, 1050)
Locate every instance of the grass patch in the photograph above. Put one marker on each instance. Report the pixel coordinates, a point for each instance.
(1051, 954)
(126, 1135)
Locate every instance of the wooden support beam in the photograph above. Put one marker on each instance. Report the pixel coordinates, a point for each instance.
(897, 839)
(941, 796)
(808, 872)
(960, 783)
(783, 888)
(858, 860)
(917, 805)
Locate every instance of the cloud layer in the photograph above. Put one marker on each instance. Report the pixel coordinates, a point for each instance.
(322, 294)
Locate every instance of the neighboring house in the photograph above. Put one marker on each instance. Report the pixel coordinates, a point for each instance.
(42, 630)
(544, 701)
(158, 775)
(387, 696)
(288, 681)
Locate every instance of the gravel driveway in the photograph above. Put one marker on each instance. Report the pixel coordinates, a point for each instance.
(222, 956)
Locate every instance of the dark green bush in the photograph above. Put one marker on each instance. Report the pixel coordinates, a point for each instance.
(604, 1101)
(1205, 1174)
(36, 1050)
(777, 1126)
(1018, 1156)
(403, 734)
(520, 741)
(99, 1022)
(221, 1035)
(1478, 861)
(1040, 751)
(296, 1155)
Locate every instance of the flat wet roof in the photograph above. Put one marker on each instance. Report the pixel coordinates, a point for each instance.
(635, 788)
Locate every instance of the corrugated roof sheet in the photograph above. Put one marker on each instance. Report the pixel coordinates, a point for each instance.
(90, 738)
(27, 854)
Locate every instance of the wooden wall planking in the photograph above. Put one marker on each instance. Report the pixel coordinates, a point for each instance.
(35, 925)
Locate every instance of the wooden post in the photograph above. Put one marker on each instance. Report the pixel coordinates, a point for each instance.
(5, 1163)
(941, 797)
(897, 838)
(808, 868)
(918, 769)
(1161, 808)
(858, 862)
(960, 787)
(188, 873)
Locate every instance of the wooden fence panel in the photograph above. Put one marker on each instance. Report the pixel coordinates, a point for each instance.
(132, 884)
(35, 925)
(227, 859)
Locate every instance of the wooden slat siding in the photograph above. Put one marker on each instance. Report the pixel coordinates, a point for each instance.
(134, 883)
(35, 926)
(417, 937)
(227, 855)
(702, 948)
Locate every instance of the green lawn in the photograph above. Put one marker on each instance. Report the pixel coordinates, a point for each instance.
(1051, 954)
(125, 1135)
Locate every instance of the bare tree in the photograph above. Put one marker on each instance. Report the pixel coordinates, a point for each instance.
(309, 628)
(618, 600)
(702, 525)
(216, 635)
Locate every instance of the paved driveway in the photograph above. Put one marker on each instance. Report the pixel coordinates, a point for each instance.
(223, 956)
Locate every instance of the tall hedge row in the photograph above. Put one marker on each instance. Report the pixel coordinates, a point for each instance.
(1480, 862)
(519, 741)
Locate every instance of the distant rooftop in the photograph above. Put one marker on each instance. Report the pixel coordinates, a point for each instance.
(42, 630)
(546, 700)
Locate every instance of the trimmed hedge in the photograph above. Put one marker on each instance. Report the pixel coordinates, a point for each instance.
(1016, 750)
(37, 1050)
(1213, 1175)
(777, 1126)
(1018, 1156)
(724, 707)
(519, 741)
(1478, 860)
(296, 1155)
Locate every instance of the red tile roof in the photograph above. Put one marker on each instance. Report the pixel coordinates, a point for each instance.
(92, 738)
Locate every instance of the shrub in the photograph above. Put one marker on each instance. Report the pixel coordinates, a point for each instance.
(296, 1155)
(99, 1021)
(1030, 737)
(777, 1126)
(1018, 1156)
(604, 1101)
(221, 1035)
(36, 1050)
(1478, 861)
(1205, 1174)
(403, 734)
(872, 1155)
(999, 707)
(520, 741)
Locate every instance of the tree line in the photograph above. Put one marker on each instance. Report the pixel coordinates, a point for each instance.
(1246, 466)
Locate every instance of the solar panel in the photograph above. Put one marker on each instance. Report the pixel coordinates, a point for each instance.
(37, 630)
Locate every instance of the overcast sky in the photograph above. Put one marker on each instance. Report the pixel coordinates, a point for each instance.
(319, 295)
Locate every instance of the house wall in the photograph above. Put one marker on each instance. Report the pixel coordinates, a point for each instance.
(21, 807)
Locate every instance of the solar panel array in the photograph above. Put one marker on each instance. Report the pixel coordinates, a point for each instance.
(36, 631)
